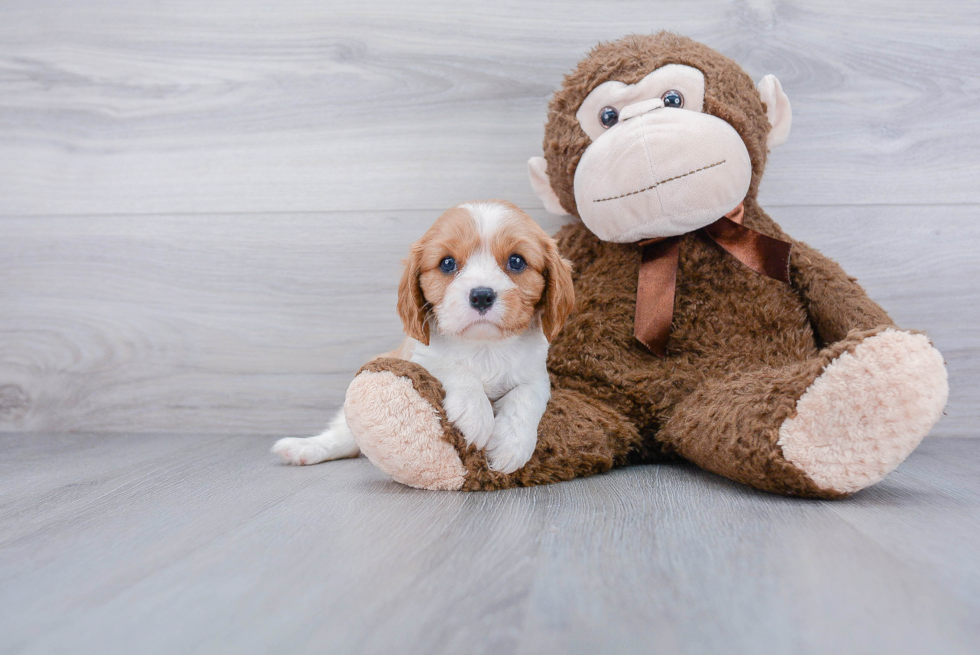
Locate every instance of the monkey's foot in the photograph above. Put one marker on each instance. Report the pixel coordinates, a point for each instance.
(867, 411)
(399, 429)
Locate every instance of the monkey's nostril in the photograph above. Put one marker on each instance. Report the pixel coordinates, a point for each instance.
(481, 299)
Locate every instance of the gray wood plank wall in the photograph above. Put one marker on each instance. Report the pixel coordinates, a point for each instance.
(203, 205)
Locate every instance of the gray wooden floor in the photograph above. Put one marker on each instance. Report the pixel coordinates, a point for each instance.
(185, 544)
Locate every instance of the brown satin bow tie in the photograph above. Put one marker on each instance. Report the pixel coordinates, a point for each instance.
(658, 272)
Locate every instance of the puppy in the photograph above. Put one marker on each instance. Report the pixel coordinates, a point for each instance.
(483, 293)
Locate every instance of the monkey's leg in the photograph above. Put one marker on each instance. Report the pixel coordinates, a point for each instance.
(824, 428)
(394, 409)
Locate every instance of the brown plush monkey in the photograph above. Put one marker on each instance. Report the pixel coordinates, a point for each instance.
(701, 329)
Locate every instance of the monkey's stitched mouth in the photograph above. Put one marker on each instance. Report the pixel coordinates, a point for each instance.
(656, 184)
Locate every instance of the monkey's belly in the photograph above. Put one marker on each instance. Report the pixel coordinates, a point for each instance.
(727, 318)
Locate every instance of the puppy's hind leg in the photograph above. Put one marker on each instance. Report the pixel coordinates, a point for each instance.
(336, 442)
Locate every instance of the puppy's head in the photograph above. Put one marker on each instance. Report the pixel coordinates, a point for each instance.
(484, 270)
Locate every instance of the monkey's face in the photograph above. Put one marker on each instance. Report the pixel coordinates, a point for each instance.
(657, 166)
(655, 136)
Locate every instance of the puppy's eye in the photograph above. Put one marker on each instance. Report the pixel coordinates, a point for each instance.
(608, 116)
(447, 265)
(516, 263)
(673, 99)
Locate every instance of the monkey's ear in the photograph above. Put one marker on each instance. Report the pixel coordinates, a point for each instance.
(778, 111)
(537, 169)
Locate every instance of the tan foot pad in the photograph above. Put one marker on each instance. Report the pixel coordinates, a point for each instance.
(400, 432)
(867, 411)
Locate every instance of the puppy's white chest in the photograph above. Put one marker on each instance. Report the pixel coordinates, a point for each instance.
(496, 372)
(498, 365)
(496, 387)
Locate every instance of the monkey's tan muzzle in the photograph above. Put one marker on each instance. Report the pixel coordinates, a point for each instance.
(660, 172)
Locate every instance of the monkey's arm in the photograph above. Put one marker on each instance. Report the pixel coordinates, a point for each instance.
(835, 301)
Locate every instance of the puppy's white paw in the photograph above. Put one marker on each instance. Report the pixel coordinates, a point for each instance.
(293, 450)
(511, 444)
(332, 444)
(472, 414)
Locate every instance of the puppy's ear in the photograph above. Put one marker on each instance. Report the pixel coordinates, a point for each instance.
(411, 301)
(559, 292)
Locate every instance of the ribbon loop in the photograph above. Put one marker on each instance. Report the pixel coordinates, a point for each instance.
(655, 294)
(657, 282)
(761, 253)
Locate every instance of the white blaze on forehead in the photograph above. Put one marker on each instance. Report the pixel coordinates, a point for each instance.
(489, 217)
(481, 268)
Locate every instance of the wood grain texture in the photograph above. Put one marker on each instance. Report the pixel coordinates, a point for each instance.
(203, 205)
(250, 106)
(203, 544)
(231, 324)
(256, 323)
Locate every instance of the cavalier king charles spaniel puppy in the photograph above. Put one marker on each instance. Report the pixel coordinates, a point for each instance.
(483, 293)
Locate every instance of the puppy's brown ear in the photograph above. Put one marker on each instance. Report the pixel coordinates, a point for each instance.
(559, 292)
(411, 301)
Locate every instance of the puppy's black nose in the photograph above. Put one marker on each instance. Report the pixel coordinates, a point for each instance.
(481, 299)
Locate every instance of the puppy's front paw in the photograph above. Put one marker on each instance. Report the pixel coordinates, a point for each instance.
(511, 444)
(472, 414)
(294, 450)
(332, 444)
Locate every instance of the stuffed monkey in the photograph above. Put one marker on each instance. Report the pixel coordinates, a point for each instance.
(701, 330)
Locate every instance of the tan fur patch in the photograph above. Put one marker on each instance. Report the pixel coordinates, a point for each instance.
(452, 235)
(545, 286)
(423, 285)
(520, 236)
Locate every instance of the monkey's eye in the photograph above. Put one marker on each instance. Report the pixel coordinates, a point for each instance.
(608, 116)
(516, 263)
(447, 265)
(673, 99)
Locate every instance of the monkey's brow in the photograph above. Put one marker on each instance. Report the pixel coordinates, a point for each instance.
(669, 179)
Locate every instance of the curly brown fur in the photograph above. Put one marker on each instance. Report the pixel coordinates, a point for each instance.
(578, 436)
(743, 347)
(766, 398)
